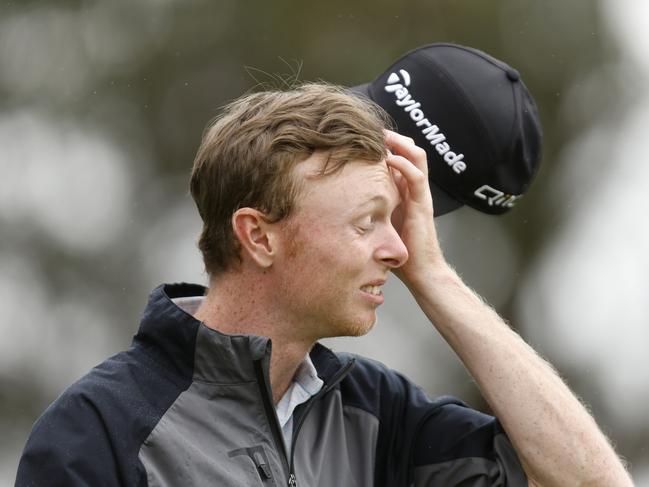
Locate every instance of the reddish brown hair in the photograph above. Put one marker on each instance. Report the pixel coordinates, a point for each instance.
(247, 156)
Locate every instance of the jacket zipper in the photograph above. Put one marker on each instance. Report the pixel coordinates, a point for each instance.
(271, 416)
(292, 480)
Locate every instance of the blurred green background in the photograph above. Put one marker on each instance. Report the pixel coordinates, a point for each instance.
(102, 106)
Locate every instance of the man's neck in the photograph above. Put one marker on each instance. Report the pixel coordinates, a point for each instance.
(233, 307)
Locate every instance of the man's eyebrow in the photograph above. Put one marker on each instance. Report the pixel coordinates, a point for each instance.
(376, 200)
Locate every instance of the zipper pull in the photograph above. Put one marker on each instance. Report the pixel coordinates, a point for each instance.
(292, 481)
(262, 466)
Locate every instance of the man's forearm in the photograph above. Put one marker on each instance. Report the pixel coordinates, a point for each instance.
(556, 439)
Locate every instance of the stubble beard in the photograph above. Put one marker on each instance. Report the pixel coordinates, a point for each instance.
(338, 318)
(352, 326)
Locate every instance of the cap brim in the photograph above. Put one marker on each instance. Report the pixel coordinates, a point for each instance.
(442, 201)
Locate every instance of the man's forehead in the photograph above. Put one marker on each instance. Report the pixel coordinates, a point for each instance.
(379, 187)
(356, 184)
(312, 168)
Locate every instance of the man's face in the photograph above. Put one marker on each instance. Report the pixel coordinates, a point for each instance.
(338, 247)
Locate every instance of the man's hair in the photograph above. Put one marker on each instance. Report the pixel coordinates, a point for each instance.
(247, 156)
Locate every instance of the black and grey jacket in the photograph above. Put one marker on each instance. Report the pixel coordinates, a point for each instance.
(189, 406)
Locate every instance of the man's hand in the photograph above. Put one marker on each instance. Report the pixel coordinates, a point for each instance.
(413, 219)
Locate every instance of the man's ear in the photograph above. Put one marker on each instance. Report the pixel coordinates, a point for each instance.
(256, 235)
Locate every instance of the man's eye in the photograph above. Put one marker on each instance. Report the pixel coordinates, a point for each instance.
(365, 225)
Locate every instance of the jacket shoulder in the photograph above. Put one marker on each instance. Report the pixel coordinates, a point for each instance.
(429, 441)
(374, 387)
(91, 434)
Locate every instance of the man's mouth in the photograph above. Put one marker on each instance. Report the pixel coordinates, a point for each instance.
(375, 290)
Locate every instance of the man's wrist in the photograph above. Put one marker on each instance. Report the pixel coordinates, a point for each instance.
(432, 278)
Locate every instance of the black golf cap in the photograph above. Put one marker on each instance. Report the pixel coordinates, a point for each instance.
(474, 117)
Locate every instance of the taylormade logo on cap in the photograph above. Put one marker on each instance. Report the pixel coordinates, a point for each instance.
(398, 85)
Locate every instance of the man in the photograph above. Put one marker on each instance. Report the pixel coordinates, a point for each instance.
(228, 385)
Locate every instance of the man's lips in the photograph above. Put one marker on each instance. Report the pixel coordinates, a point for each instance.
(375, 290)
(372, 290)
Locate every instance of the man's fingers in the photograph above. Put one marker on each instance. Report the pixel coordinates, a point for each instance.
(410, 163)
(413, 176)
(405, 146)
(400, 181)
(411, 182)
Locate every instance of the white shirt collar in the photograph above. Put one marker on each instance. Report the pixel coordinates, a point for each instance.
(306, 382)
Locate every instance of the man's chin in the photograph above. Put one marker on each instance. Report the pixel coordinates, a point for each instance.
(356, 328)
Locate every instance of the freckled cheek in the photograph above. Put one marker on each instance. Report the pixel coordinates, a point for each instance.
(332, 268)
(327, 264)
(327, 254)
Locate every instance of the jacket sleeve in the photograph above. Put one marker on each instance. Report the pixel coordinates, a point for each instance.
(456, 445)
(70, 447)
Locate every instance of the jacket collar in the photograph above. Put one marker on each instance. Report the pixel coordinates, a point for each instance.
(179, 340)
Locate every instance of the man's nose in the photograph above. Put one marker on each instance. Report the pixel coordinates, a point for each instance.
(392, 252)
